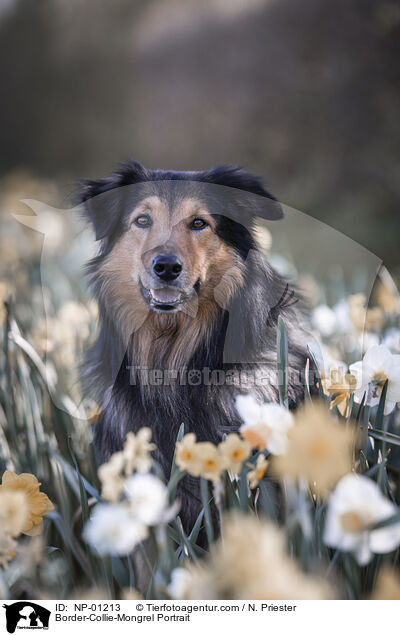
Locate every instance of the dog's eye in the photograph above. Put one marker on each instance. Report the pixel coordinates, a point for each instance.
(198, 224)
(143, 220)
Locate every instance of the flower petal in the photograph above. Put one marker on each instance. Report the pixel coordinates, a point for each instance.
(385, 539)
(377, 357)
(248, 408)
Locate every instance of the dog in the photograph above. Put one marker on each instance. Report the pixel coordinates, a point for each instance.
(182, 287)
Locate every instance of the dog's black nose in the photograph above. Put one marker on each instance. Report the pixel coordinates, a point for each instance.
(167, 266)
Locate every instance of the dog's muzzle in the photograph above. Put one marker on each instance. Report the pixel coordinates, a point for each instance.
(167, 298)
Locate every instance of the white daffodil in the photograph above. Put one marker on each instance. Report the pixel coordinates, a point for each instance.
(355, 506)
(114, 530)
(148, 498)
(377, 366)
(265, 425)
(179, 584)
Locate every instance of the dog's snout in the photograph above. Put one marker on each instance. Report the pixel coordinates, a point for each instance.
(167, 266)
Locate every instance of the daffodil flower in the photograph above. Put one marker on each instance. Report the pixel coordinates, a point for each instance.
(236, 451)
(377, 366)
(265, 425)
(38, 502)
(113, 529)
(354, 508)
(148, 498)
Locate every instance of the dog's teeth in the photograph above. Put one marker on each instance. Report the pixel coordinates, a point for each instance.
(164, 296)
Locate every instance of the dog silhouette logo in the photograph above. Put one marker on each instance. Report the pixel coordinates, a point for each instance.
(26, 615)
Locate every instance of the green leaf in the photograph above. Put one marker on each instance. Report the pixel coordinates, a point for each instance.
(72, 477)
(173, 483)
(317, 373)
(68, 539)
(282, 362)
(307, 394)
(185, 542)
(197, 527)
(381, 424)
(176, 474)
(243, 489)
(82, 491)
(119, 571)
(267, 501)
(207, 510)
(231, 498)
(381, 408)
(389, 438)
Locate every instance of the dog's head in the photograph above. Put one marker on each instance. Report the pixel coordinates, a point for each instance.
(172, 242)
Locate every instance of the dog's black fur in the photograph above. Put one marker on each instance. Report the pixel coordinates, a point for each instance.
(247, 328)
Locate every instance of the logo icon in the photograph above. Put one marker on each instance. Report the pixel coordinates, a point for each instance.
(26, 615)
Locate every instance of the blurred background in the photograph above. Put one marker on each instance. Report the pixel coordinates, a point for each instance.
(305, 94)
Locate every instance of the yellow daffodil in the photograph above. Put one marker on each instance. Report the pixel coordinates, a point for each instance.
(110, 475)
(212, 462)
(186, 456)
(137, 449)
(340, 386)
(135, 455)
(319, 449)
(38, 502)
(13, 512)
(236, 451)
(250, 561)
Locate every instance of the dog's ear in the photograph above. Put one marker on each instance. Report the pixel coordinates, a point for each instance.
(103, 199)
(264, 205)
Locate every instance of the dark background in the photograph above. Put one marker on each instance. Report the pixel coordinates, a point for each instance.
(305, 93)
